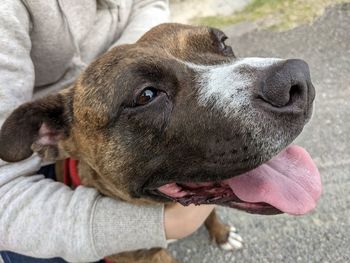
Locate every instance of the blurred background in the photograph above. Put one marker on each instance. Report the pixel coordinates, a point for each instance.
(317, 31)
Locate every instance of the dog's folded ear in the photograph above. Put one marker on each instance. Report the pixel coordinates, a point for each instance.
(36, 126)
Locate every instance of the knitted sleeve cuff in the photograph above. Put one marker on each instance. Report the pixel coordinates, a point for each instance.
(118, 226)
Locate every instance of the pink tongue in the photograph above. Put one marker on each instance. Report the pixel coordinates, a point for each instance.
(290, 182)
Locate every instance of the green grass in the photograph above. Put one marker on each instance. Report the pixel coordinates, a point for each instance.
(275, 14)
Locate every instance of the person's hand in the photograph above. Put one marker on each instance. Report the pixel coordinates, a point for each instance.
(181, 221)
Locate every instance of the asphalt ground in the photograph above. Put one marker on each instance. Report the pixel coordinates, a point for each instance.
(324, 234)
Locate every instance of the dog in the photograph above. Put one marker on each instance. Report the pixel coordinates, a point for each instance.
(177, 117)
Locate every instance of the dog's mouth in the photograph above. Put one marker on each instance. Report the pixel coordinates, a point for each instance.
(288, 183)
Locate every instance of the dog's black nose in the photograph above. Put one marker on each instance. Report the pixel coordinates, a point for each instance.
(287, 86)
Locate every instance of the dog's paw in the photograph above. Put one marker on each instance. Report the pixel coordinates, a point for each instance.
(234, 240)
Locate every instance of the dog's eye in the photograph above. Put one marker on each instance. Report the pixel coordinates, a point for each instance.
(146, 96)
(222, 42)
(219, 42)
(227, 50)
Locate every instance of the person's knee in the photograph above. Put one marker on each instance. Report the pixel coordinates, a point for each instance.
(180, 221)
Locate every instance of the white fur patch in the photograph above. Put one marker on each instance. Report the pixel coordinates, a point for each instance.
(234, 242)
(227, 85)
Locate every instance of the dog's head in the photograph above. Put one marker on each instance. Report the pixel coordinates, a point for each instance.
(177, 116)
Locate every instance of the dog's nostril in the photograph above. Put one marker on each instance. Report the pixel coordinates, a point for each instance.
(295, 93)
(295, 90)
(285, 85)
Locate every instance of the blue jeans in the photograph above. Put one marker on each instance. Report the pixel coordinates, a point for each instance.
(11, 257)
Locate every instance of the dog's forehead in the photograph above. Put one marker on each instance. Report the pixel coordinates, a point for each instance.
(168, 41)
(163, 42)
(176, 35)
(182, 42)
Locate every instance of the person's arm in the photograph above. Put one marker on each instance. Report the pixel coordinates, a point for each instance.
(43, 218)
(144, 15)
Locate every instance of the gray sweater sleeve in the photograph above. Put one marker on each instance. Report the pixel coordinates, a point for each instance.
(43, 218)
(145, 14)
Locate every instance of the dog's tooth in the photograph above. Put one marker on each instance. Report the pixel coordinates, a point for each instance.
(174, 189)
(178, 189)
(181, 193)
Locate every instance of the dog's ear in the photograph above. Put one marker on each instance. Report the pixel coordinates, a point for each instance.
(36, 126)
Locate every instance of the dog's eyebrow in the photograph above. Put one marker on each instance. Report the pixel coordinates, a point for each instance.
(150, 70)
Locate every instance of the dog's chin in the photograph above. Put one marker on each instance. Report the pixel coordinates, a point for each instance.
(287, 183)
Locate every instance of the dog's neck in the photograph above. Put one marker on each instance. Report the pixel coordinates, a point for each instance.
(89, 177)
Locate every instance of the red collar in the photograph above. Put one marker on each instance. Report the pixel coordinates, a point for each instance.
(70, 173)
